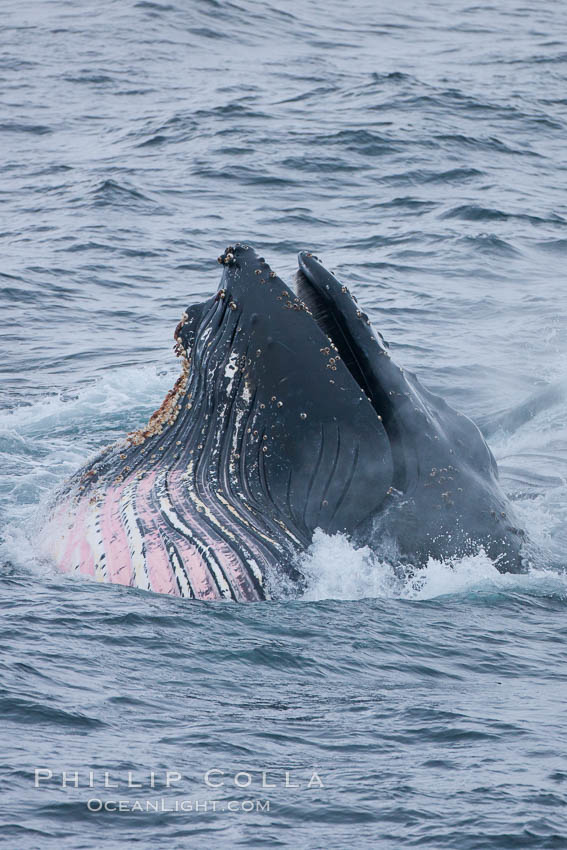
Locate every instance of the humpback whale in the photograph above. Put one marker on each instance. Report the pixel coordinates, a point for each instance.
(289, 415)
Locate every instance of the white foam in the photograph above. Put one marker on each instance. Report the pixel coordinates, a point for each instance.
(334, 569)
(124, 391)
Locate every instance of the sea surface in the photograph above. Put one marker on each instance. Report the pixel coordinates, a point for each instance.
(419, 148)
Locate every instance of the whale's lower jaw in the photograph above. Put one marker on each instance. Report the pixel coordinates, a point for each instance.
(147, 532)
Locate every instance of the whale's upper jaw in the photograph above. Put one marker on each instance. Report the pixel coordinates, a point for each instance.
(441, 463)
(337, 313)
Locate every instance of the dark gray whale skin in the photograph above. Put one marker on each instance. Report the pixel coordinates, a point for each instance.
(355, 443)
(290, 415)
(444, 499)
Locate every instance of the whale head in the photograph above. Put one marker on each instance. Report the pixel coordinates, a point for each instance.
(297, 434)
(289, 415)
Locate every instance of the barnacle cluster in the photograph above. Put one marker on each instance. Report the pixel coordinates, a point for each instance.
(227, 259)
(167, 413)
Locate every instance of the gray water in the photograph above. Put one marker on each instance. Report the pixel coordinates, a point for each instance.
(420, 151)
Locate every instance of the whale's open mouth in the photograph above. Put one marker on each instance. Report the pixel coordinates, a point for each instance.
(337, 314)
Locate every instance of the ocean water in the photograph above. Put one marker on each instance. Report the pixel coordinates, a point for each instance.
(419, 149)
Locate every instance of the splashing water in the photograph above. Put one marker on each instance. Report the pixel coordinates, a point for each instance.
(334, 569)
